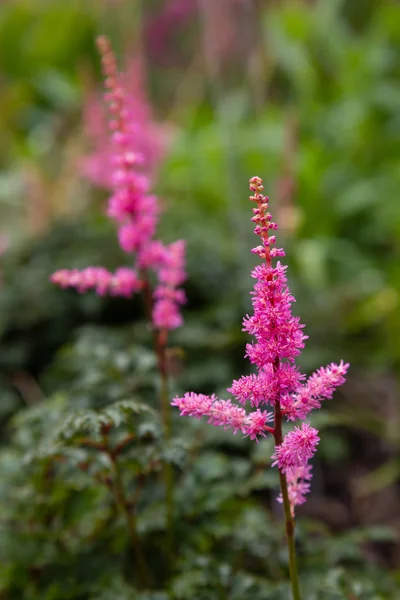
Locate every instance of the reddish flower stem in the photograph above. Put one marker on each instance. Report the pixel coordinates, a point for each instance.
(289, 520)
(160, 338)
(128, 509)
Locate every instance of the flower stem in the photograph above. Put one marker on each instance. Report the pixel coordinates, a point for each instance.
(289, 520)
(147, 296)
(128, 510)
(165, 412)
(144, 573)
(160, 347)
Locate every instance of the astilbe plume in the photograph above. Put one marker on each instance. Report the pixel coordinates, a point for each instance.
(222, 25)
(135, 211)
(278, 340)
(167, 24)
(149, 138)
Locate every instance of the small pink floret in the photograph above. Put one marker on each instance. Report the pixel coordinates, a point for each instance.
(297, 448)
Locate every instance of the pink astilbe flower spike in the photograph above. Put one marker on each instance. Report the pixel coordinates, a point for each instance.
(131, 205)
(278, 340)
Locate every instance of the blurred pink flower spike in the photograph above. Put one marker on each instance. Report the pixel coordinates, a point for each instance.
(149, 138)
(126, 169)
(124, 282)
(168, 295)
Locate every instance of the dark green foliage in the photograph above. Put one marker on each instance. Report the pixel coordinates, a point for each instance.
(63, 531)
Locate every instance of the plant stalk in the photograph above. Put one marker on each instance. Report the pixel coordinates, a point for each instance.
(127, 508)
(289, 520)
(144, 572)
(160, 347)
(166, 420)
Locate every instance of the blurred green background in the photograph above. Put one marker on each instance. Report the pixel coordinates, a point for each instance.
(305, 94)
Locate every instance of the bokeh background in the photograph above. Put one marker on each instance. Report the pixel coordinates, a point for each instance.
(305, 94)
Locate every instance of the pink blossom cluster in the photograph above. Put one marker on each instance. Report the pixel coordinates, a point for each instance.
(168, 295)
(135, 210)
(278, 340)
(224, 413)
(292, 456)
(298, 481)
(124, 282)
(297, 448)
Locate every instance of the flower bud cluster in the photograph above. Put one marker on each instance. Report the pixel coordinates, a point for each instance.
(264, 223)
